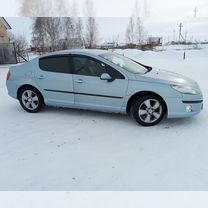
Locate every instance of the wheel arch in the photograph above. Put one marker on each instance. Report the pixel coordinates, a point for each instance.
(28, 85)
(138, 95)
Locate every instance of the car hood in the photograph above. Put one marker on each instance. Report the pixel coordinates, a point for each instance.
(160, 75)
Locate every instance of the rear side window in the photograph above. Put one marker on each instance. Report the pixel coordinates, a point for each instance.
(59, 64)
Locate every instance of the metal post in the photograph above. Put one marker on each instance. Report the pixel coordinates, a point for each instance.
(184, 55)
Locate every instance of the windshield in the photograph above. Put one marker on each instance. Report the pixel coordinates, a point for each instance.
(125, 63)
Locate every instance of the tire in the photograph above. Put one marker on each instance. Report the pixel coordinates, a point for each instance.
(149, 110)
(30, 99)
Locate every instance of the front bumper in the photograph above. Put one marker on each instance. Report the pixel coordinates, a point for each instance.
(184, 107)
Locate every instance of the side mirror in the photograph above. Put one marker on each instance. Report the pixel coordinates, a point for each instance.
(107, 77)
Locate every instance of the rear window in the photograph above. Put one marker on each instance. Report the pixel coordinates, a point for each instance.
(59, 64)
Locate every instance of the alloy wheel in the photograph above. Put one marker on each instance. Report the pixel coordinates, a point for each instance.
(30, 99)
(150, 110)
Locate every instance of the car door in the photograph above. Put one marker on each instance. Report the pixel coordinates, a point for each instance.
(55, 79)
(90, 91)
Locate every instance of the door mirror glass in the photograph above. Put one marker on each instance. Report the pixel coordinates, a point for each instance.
(107, 77)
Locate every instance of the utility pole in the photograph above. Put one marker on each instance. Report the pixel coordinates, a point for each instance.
(195, 12)
(180, 29)
(184, 55)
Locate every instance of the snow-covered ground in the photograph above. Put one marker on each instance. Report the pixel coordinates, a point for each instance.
(64, 149)
(106, 199)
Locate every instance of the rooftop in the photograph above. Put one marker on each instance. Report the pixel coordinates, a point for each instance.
(6, 24)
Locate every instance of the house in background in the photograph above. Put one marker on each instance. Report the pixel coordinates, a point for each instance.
(7, 49)
(109, 45)
(155, 41)
(4, 27)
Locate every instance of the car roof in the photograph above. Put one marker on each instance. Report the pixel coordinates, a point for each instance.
(94, 52)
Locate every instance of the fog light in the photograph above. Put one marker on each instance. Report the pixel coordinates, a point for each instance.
(188, 108)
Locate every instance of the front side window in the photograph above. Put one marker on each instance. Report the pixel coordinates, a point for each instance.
(87, 66)
(125, 63)
(59, 64)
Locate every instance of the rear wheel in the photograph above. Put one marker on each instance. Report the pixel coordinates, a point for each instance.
(30, 99)
(148, 110)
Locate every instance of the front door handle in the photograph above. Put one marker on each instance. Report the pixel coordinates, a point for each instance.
(79, 81)
(41, 77)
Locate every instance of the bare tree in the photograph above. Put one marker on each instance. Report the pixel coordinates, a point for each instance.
(43, 8)
(56, 33)
(135, 31)
(69, 31)
(79, 30)
(69, 27)
(139, 31)
(61, 8)
(73, 9)
(137, 9)
(53, 31)
(91, 25)
(39, 35)
(35, 8)
(46, 33)
(21, 45)
(130, 31)
(91, 32)
(146, 9)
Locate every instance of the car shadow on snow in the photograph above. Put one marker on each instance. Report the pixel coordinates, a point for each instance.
(86, 113)
(117, 117)
(179, 122)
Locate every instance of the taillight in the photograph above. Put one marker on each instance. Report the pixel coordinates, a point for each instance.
(8, 75)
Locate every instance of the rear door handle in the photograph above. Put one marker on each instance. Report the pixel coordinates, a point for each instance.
(79, 81)
(41, 77)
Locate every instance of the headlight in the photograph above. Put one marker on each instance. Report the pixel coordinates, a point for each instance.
(185, 89)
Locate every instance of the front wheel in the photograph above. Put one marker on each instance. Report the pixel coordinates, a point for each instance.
(148, 110)
(30, 99)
